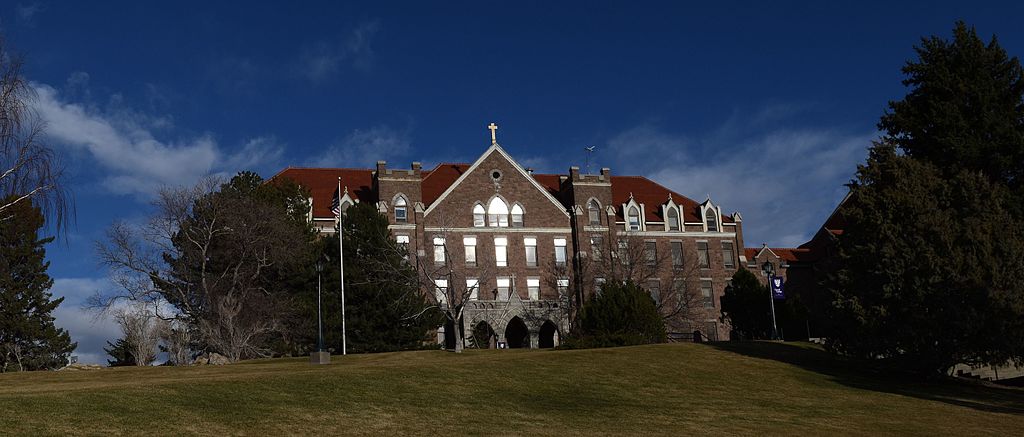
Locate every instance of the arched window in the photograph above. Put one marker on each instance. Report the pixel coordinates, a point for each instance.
(478, 215)
(711, 219)
(497, 213)
(517, 216)
(594, 211)
(633, 219)
(401, 210)
(673, 219)
(345, 206)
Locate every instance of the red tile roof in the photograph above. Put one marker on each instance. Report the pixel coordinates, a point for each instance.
(653, 195)
(788, 254)
(439, 179)
(322, 182)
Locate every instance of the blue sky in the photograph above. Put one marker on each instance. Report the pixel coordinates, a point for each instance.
(767, 108)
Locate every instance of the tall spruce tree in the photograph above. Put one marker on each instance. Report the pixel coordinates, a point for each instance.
(384, 306)
(28, 338)
(745, 306)
(929, 264)
(964, 110)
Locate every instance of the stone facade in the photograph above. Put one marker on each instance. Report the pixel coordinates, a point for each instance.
(545, 241)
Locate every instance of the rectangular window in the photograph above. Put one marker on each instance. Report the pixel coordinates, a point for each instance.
(563, 287)
(708, 294)
(677, 254)
(560, 253)
(651, 253)
(654, 288)
(473, 286)
(438, 250)
(531, 251)
(501, 251)
(504, 285)
(533, 287)
(598, 283)
(441, 290)
(400, 214)
(727, 255)
(403, 245)
(702, 255)
(470, 243)
(596, 244)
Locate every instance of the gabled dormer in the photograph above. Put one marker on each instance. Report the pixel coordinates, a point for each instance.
(633, 212)
(673, 215)
(711, 216)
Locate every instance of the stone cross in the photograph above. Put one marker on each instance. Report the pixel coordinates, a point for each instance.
(494, 133)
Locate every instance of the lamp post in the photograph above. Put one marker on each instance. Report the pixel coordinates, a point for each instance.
(769, 271)
(319, 314)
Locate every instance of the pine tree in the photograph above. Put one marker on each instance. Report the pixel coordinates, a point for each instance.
(385, 308)
(120, 354)
(964, 110)
(28, 338)
(745, 306)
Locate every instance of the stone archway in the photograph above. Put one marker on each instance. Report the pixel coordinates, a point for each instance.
(483, 336)
(516, 334)
(548, 337)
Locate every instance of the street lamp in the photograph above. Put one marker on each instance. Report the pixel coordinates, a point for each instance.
(769, 270)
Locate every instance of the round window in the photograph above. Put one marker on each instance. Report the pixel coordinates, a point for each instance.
(496, 174)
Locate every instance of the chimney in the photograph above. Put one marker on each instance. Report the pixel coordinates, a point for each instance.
(606, 174)
(381, 166)
(574, 173)
(416, 166)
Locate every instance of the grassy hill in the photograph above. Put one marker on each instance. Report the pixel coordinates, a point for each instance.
(669, 389)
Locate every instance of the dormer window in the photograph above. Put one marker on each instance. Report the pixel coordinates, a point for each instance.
(711, 219)
(401, 209)
(478, 215)
(594, 211)
(673, 219)
(517, 216)
(633, 219)
(497, 213)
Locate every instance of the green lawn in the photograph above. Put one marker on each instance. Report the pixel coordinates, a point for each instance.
(670, 389)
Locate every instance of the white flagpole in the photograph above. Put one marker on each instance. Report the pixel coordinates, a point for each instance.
(341, 271)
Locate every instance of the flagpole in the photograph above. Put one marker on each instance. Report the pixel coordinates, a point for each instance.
(341, 270)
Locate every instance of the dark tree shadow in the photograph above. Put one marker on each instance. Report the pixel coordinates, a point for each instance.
(866, 375)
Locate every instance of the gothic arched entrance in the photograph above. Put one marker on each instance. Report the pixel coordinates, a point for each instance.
(548, 334)
(483, 336)
(516, 334)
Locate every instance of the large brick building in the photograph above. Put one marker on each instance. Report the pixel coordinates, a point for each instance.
(524, 246)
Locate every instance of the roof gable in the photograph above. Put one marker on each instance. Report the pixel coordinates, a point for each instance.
(494, 149)
(323, 182)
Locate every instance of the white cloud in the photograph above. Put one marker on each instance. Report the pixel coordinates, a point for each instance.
(319, 62)
(123, 142)
(784, 181)
(363, 147)
(27, 13)
(89, 329)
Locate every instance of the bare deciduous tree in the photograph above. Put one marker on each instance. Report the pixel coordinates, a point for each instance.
(141, 329)
(30, 170)
(213, 256)
(673, 279)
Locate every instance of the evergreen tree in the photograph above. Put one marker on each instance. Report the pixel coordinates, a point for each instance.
(120, 354)
(384, 306)
(28, 338)
(965, 108)
(745, 306)
(622, 314)
(930, 270)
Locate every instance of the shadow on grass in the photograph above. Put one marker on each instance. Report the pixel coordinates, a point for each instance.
(869, 376)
